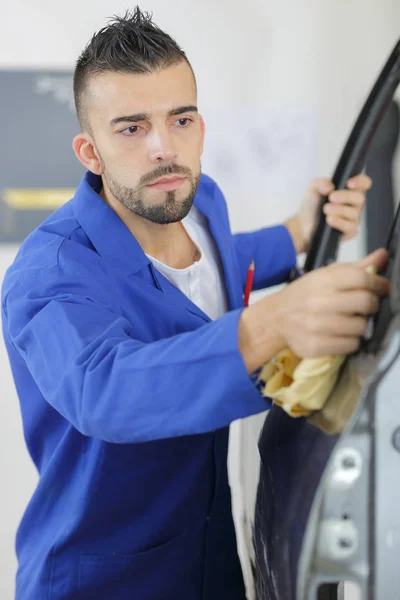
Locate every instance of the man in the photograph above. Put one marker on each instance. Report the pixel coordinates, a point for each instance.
(130, 348)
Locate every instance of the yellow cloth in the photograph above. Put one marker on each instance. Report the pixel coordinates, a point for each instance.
(325, 389)
(300, 386)
(341, 404)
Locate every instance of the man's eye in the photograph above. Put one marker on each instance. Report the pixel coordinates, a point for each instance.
(184, 122)
(131, 130)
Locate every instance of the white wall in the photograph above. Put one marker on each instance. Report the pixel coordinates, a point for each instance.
(279, 85)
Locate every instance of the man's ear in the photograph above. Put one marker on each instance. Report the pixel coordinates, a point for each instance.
(85, 151)
(203, 132)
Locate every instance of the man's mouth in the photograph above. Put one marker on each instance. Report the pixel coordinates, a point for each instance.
(167, 183)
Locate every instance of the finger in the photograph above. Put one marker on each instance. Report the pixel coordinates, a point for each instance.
(350, 213)
(348, 228)
(378, 259)
(332, 345)
(360, 182)
(352, 277)
(341, 325)
(377, 284)
(358, 302)
(349, 302)
(346, 197)
(322, 186)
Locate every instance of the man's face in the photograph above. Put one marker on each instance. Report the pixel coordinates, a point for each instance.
(146, 128)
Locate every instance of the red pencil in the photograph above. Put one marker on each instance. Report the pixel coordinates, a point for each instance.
(249, 283)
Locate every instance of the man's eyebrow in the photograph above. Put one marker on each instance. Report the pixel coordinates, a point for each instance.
(183, 109)
(144, 117)
(130, 118)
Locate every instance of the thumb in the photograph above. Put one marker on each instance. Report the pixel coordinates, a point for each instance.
(378, 259)
(322, 186)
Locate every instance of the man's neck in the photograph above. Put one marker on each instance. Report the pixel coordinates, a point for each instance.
(170, 244)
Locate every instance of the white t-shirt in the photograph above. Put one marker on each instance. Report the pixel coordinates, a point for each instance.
(203, 281)
(204, 284)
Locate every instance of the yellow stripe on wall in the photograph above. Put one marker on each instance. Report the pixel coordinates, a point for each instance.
(38, 198)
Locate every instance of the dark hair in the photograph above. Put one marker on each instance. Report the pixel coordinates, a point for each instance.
(128, 44)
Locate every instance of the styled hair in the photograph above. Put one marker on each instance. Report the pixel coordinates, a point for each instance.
(128, 44)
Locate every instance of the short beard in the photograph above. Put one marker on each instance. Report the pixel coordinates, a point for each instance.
(170, 211)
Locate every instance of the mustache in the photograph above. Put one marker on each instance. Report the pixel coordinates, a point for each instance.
(164, 170)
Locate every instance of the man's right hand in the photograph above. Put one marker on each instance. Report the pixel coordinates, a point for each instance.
(324, 312)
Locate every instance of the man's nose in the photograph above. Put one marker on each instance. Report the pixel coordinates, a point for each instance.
(161, 147)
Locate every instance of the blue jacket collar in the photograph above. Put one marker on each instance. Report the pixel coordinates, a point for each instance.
(107, 232)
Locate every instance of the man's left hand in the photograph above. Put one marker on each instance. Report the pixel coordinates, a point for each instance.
(343, 211)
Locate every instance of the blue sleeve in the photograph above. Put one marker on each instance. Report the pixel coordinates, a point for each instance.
(273, 252)
(87, 364)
